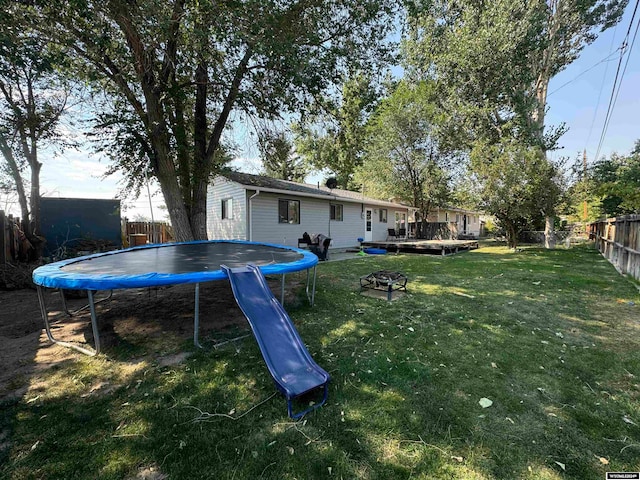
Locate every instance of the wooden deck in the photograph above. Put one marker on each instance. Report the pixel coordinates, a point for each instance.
(433, 247)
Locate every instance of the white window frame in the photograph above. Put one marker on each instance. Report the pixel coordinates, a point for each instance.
(226, 207)
(336, 212)
(289, 219)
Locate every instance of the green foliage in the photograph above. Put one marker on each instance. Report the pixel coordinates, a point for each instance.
(278, 157)
(493, 62)
(609, 187)
(517, 185)
(334, 136)
(174, 71)
(616, 182)
(33, 98)
(494, 59)
(405, 159)
(480, 56)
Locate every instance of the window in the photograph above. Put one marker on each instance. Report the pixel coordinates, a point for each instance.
(288, 211)
(446, 216)
(383, 215)
(335, 212)
(227, 208)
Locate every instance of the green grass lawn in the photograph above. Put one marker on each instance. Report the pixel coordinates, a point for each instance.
(551, 338)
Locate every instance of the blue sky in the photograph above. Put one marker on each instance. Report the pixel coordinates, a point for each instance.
(581, 104)
(576, 104)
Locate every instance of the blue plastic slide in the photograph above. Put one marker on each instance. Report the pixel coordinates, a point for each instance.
(288, 360)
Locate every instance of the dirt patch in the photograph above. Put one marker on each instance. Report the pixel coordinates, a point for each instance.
(157, 321)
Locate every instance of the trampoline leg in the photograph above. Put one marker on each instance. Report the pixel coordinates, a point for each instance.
(282, 291)
(45, 315)
(311, 296)
(313, 289)
(94, 321)
(75, 312)
(196, 318)
(47, 327)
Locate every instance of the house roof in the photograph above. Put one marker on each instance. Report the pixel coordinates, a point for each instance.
(259, 182)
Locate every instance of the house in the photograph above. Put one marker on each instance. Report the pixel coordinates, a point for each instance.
(463, 223)
(257, 208)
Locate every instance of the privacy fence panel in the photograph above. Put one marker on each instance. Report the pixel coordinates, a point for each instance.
(140, 233)
(9, 238)
(618, 239)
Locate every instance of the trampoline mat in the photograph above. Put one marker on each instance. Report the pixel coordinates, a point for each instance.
(183, 259)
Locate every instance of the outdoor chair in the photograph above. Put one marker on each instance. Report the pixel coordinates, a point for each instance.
(319, 245)
(391, 234)
(402, 232)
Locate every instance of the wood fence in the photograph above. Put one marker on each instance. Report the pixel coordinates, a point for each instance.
(618, 239)
(140, 233)
(10, 241)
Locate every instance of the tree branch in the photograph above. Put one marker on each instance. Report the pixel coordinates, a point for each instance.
(169, 60)
(230, 99)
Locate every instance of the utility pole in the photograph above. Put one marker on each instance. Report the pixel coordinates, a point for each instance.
(584, 179)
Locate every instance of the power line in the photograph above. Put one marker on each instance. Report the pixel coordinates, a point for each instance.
(616, 84)
(624, 70)
(605, 59)
(604, 76)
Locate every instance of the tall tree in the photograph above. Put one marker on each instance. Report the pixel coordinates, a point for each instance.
(404, 158)
(615, 183)
(177, 69)
(333, 137)
(496, 59)
(32, 100)
(279, 159)
(516, 185)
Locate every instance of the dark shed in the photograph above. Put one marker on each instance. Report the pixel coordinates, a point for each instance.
(79, 224)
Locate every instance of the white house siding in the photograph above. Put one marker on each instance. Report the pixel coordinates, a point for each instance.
(314, 219)
(228, 229)
(257, 219)
(265, 225)
(456, 217)
(346, 233)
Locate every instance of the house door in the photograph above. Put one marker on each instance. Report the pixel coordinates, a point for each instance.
(401, 224)
(368, 225)
(464, 224)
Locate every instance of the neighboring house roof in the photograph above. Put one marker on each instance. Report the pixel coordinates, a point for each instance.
(259, 182)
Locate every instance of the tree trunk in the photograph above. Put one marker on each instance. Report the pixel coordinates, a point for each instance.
(549, 233)
(33, 232)
(173, 199)
(17, 178)
(512, 235)
(201, 163)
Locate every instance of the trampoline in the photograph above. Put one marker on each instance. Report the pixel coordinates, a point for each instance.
(165, 264)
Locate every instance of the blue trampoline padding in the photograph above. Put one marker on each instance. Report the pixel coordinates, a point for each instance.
(375, 251)
(170, 264)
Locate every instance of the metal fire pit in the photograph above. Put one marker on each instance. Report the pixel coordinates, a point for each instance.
(384, 281)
